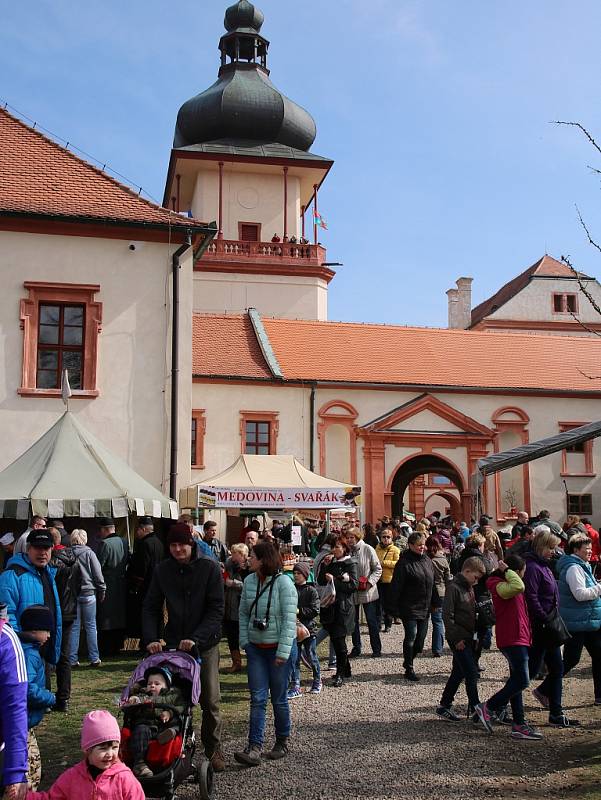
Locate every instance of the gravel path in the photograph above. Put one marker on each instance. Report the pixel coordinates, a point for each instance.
(378, 737)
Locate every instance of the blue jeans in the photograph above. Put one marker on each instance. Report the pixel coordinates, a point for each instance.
(86, 613)
(413, 643)
(519, 679)
(371, 614)
(265, 678)
(291, 665)
(322, 634)
(437, 631)
(465, 668)
(552, 686)
(309, 647)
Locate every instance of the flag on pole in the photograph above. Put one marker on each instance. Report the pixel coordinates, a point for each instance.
(65, 387)
(319, 221)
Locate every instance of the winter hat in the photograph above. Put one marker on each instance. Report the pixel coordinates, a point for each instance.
(164, 671)
(98, 727)
(303, 568)
(37, 618)
(179, 534)
(7, 539)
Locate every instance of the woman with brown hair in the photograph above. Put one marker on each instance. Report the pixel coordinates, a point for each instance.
(338, 618)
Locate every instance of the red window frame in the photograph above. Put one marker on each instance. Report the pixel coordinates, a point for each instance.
(589, 467)
(198, 430)
(60, 347)
(581, 504)
(42, 293)
(566, 299)
(265, 417)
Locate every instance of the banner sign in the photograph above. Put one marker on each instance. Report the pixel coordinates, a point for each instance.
(232, 497)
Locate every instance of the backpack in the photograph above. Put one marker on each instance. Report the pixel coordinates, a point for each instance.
(68, 581)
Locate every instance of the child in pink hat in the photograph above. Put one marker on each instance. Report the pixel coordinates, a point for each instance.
(100, 775)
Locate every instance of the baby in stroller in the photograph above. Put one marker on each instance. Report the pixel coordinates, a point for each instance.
(154, 710)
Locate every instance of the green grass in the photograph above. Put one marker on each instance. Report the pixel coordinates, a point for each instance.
(58, 734)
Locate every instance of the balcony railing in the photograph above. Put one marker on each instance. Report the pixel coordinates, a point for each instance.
(274, 252)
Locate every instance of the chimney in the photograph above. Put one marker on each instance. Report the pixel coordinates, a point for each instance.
(460, 304)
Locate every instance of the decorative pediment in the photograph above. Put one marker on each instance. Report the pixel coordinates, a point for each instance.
(427, 413)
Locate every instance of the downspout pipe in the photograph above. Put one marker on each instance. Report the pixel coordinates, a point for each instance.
(312, 427)
(175, 367)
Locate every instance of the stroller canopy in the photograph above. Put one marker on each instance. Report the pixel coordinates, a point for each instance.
(181, 664)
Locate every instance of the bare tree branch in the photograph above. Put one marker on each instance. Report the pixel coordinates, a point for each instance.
(593, 169)
(583, 325)
(590, 377)
(582, 128)
(586, 230)
(583, 289)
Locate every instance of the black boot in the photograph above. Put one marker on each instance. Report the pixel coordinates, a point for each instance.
(347, 670)
(338, 680)
(410, 674)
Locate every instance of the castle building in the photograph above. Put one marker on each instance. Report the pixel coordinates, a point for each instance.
(406, 412)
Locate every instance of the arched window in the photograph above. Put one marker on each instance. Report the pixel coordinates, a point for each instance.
(512, 486)
(337, 441)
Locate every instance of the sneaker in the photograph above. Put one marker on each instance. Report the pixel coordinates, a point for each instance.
(376, 655)
(448, 714)
(315, 688)
(563, 721)
(484, 717)
(62, 706)
(331, 666)
(75, 664)
(501, 717)
(97, 663)
(279, 750)
(142, 770)
(338, 681)
(436, 655)
(250, 756)
(294, 693)
(525, 731)
(542, 698)
(597, 701)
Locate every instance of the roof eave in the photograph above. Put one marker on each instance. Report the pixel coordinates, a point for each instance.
(83, 219)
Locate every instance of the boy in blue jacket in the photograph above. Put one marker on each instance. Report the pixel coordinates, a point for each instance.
(37, 624)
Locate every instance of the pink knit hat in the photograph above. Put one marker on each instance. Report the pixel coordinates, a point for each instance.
(98, 727)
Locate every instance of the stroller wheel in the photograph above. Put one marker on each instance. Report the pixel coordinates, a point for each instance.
(205, 780)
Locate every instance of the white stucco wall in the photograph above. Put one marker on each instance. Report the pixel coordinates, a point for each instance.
(290, 297)
(248, 197)
(131, 415)
(535, 302)
(222, 446)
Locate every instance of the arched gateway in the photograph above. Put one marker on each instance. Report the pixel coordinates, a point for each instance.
(415, 467)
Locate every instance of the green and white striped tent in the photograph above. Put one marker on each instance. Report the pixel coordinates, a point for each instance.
(68, 472)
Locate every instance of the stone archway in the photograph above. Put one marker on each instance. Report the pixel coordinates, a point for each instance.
(419, 465)
(454, 505)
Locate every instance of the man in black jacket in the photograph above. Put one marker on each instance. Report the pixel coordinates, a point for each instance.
(192, 588)
(148, 553)
(68, 581)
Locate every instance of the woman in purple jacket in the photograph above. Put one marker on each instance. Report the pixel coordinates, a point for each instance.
(542, 598)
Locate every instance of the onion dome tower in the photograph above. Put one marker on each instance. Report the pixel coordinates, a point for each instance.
(243, 105)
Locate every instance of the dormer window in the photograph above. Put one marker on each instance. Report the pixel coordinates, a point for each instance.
(565, 303)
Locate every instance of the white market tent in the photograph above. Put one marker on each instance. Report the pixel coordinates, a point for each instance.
(68, 472)
(263, 482)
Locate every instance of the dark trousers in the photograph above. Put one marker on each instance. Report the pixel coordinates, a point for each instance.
(139, 741)
(340, 648)
(63, 667)
(572, 651)
(231, 628)
(519, 679)
(413, 643)
(552, 686)
(371, 614)
(465, 668)
(384, 604)
(210, 699)
(110, 642)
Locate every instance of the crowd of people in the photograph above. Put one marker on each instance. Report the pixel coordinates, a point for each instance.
(533, 586)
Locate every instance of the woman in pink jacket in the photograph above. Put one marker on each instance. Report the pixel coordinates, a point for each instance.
(514, 637)
(101, 775)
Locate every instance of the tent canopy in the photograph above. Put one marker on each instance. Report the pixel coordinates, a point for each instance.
(70, 473)
(533, 450)
(269, 482)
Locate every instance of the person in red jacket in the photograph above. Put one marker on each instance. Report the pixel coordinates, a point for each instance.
(593, 535)
(514, 637)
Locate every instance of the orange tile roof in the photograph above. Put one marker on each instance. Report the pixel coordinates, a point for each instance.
(222, 342)
(361, 353)
(39, 177)
(547, 267)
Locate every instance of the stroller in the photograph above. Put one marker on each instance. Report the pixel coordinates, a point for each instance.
(171, 763)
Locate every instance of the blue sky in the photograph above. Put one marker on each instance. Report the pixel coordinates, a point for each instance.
(436, 113)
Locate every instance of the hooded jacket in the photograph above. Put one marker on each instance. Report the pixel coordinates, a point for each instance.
(459, 611)
(194, 596)
(38, 697)
(388, 555)
(368, 566)
(542, 595)
(512, 626)
(115, 783)
(13, 706)
(339, 618)
(579, 600)
(21, 586)
(413, 592)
